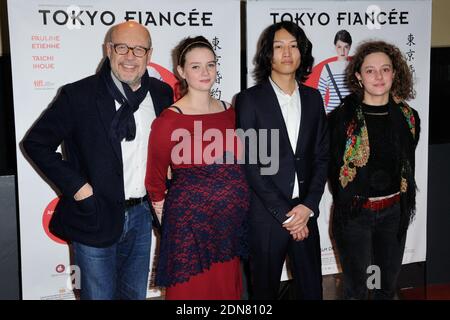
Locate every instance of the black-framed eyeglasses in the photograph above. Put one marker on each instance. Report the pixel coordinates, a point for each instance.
(122, 49)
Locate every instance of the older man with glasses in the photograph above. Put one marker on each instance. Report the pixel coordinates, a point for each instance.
(104, 122)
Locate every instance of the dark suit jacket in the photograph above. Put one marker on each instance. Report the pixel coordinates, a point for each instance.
(258, 108)
(81, 117)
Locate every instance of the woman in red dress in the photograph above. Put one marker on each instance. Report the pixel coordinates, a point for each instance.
(206, 204)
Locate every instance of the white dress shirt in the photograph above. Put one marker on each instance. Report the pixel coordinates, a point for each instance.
(291, 109)
(290, 106)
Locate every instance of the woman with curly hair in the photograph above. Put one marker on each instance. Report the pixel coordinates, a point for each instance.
(374, 134)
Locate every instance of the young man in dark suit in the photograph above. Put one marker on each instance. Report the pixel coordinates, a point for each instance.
(104, 122)
(284, 203)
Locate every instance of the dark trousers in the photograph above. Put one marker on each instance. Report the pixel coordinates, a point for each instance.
(370, 239)
(269, 245)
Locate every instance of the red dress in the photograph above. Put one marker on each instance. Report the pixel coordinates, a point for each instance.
(205, 208)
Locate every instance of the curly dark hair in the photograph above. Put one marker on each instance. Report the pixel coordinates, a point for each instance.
(264, 52)
(402, 85)
(179, 58)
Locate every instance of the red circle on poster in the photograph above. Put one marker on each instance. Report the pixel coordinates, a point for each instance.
(48, 213)
(161, 73)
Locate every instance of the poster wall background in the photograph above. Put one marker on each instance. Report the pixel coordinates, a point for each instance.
(56, 42)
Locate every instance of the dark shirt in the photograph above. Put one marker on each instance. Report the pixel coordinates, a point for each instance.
(383, 164)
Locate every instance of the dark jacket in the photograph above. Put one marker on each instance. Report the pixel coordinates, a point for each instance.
(80, 117)
(348, 199)
(258, 108)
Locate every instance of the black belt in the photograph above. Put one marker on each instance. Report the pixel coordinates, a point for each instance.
(134, 201)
